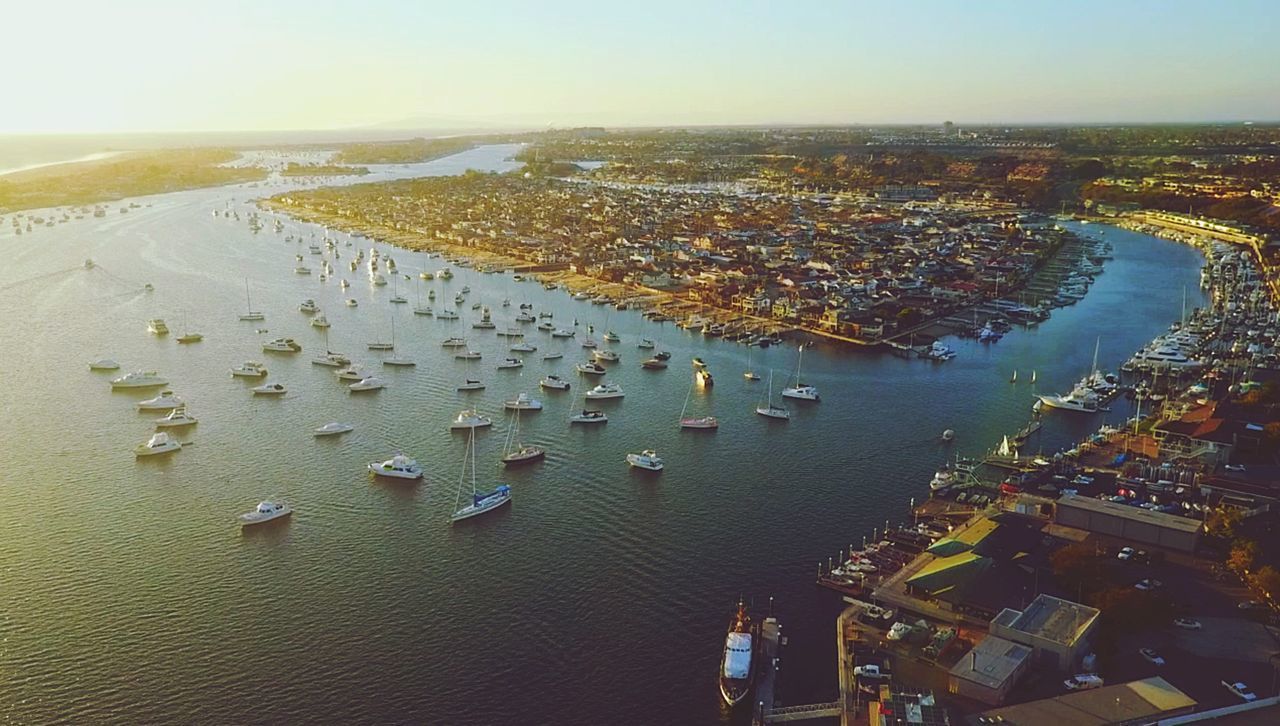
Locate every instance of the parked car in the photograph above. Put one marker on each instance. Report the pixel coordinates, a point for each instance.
(1187, 623)
(1125, 553)
(1250, 605)
(1083, 682)
(1234, 467)
(1241, 690)
(1152, 656)
(869, 671)
(1148, 584)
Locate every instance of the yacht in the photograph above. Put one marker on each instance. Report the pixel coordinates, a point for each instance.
(735, 663)
(309, 307)
(939, 352)
(470, 419)
(1164, 356)
(320, 321)
(525, 317)
(352, 373)
(397, 467)
(104, 364)
(372, 383)
(167, 400)
(177, 417)
(508, 363)
(265, 512)
(562, 333)
(612, 337)
(480, 502)
(1081, 398)
(159, 443)
(697, 362)
(942, 479)
(190, 338)
(269, 389)
(455, 343)
(645, 344)
(249, 369)
(468, 355)
(523, 402)
(704, 378)
(653, 364)
(662, 355)
(282, 345)
(590, 369)
(555, 383)
(332, 360)
(157, 327)
(589, 417)
(606, 356)
(605, 390)
(523, 347)
(352, 302)
(139, 379)
(546, 326)
(647, 459)
(471, 384)
(333, 428)
(380, 345)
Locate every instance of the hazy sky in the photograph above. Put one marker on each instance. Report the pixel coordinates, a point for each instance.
(178, 65)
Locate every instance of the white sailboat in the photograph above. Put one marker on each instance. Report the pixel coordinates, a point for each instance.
(480, 502)
(695, 422)
(768, 409)
(249, 313)
(749, 374)
(383, 345)
(514, 452)
(801, 390)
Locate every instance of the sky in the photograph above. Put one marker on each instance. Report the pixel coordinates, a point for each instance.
(86, 66)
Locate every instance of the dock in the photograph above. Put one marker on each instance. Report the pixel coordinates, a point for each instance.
(766, 697)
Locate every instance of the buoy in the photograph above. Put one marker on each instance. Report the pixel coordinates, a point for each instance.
(948, 435)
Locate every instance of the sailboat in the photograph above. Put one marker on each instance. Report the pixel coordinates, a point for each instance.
(800, 390)
(480, 502)
(383, 345)
(188, 336)
(1033, 376)
(396, 297)
(1015, 377)
(587, 416)
(696, 422)
(396, 360)
(249, 313)
(515, 453)
(768, 409)
(418, 307)
(749, 374)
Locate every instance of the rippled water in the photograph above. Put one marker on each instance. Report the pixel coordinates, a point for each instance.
(599, 596)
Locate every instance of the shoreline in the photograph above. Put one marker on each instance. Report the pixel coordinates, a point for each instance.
(33, 171)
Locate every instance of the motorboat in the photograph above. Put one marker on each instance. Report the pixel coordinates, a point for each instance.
(301, 270)
(698, 362)
(605, 390)
(165, 401)
(606, 356)
(523, 347)
(562, 333)
(397, 467)
(139, 379)
(525, 317)
(590, 369)
(470, 419)
(309, 307)
(662, 355)
(265, 512)
(269, 389)
(700, 422)
(612, 337)
(282, 345)
(320, 321)
(159, 443)
(468, 355)
(372, 383)
(1081, 398)
(555, 383)
(352, 302)
(332, 360)
(177, 417)
(735, 663)
(653, 364)
(645, 344)
(509, 363)
(377, 279)
(802, 391)
(157, 327)
(647, 459)
(454, 343)
(553, 356)
(588, 417)
(522, 402)
(546, 326)
(352, 373)
(333, 428)
(190, 338)
(447, 314)
(704, 378)
(471, 385)
(249, 369)
(104, 364)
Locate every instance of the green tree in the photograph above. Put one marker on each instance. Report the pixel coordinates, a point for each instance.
(1243, 554)
(1268, 581)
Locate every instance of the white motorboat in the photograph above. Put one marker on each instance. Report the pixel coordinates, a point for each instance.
(372, 383)
(159, 443)
(510, 363)
(606, 356)
(590, 369)
(612, 337)
(555, 383)
(588, 416)
(647, 459)
(177, 417)
(352, 302)
(480, 502)
(546, 326)
(190, 337)
(343, 284)
(522, 402)
(332, 360)
(645, 344)
(157, 326)
(553, 356)
(653, 364)
(471, 385)
(447, 314)
(525, 317)
(249, 369)
(104, 364)
(470, 419)
(605, 390)
(454, 343)
(309, 307)
(800, 390)
(468, 355)
(397, 467)
(562, 333)
(1081, 399)
(523, 347)
(265, 512)
(333, 428)
(320, 321)
(282, 345)
(377, 279)
(352, 373)
(165, 401)
(269, 389)
(139, 379)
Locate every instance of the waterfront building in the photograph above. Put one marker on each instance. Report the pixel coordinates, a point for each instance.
(988, 671)
(1056, 630)
(1133, 524)
(1137, 702)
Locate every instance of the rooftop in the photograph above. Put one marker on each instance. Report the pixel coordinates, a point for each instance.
(1127, 702)
(1050, 618)
(991, 662)
(1136, 514)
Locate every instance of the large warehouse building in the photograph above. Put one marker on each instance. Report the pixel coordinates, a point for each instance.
(1134, 524)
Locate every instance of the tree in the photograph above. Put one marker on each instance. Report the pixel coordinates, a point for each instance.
(1076, 566)
(1243, 554)
(1268, 581)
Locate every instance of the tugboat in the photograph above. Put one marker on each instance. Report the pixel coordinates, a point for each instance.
(735, 664)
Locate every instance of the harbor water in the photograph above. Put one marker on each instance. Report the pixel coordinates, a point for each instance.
(600, 595)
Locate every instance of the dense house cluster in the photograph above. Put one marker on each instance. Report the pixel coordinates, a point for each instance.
(857, 268)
